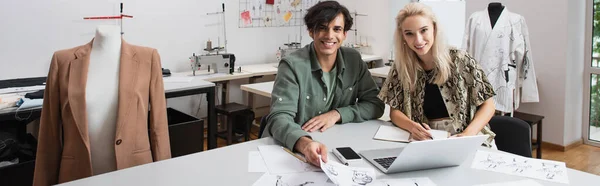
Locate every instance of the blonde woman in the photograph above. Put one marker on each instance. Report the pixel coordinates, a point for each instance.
(433, 86)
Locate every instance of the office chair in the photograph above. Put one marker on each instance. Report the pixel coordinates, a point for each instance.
(512, 135)
(263, 124)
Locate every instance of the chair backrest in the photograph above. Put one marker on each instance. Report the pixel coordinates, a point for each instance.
(263, 124)
(512, 135)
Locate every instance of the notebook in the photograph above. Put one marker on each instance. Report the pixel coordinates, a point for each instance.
(393, 133)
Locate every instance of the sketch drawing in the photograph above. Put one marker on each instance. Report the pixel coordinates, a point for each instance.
(551, 170)
(331, 170)
(493, 162)
(518, 166)
(361, 178)
(280, 182)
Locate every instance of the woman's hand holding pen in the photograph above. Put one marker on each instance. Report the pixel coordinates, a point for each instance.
(419, 132)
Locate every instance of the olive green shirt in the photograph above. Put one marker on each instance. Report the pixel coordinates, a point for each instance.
(329, 79)
(299, 93)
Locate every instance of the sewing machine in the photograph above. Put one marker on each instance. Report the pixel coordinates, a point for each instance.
(220, 63)
(291, 47)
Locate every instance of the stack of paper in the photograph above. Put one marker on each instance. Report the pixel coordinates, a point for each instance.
(421, 181)
(305, 178)
(278, 161)
(255, 162)
(393, 133)
(281, 168)
(514, 183)
(344, 175)
(521, 166)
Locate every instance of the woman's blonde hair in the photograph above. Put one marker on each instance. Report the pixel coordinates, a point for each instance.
(407, 61)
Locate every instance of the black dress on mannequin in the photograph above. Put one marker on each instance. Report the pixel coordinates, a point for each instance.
(494, 10)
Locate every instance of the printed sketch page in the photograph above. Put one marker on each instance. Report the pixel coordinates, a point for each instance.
(256, 162)
(294, 179)
(420, 181)
(344, 175)
(279, 161)
(521, 166)
(514, 183)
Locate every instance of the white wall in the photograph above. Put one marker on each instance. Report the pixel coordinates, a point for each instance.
(553, 28)
(33, 30)
(575, 65)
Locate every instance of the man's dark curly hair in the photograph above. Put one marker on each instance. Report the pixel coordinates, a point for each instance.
(324, 12)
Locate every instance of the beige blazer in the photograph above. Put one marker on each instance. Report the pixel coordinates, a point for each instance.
(63, 152)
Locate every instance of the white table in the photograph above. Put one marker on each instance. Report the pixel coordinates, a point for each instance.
(228, 165)
(380, 72)
(368, 57)
(265, 89)
(261, 69)
(172, 89)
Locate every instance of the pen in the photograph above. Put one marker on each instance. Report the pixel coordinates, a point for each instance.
(423, 125)
(294, 154)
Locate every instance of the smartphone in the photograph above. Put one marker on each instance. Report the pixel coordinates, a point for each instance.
(346, 154)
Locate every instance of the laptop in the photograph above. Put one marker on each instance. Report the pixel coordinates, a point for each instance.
(420, 155)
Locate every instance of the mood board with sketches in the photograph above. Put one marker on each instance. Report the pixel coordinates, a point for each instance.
(273, 13)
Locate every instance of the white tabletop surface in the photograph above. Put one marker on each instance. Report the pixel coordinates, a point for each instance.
(180, 86)
(265, 89)
(228, 165)
(369, 57)
(381, 72)
(169, 87)
(261, 69)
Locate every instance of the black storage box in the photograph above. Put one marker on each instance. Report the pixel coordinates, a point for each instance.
(21, 174)
(186, 133)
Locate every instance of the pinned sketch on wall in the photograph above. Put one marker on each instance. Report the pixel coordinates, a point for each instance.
(521, 166)
(344, 175)
(297, 179)
(275, 13)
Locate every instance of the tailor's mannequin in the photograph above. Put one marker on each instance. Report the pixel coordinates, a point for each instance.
(101, 95)
(494, 10)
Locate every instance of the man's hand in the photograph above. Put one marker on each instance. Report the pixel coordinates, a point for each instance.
(311, 150)
(323, 121)
(420, 132)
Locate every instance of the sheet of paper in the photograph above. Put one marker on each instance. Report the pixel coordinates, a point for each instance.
(177, 79)
(391, 133)
(553, 171)
(514, 183)
(278, 161)
(22, 89)
(345, 175)
(256, 162)
(439, 134)
(420, 181)
(304, 178)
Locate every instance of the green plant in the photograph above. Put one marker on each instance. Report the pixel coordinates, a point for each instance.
(595, 79)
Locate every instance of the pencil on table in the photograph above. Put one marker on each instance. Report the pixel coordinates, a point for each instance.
(294, 154)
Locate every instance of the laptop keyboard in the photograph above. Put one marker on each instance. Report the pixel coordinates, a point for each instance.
(385, 162)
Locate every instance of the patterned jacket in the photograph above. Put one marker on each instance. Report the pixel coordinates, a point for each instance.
(465, 90)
